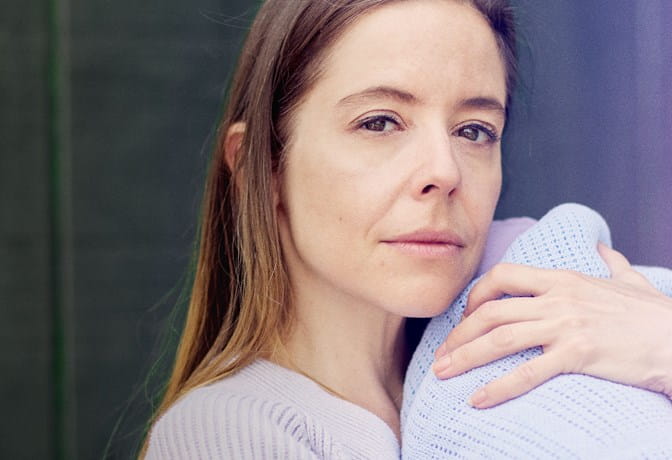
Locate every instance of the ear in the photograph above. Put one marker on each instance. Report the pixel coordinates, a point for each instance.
(233, 142)
(275, 188)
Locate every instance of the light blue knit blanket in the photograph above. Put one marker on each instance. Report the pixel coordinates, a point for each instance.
(571, 416)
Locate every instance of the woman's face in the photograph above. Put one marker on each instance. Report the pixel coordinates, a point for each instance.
(393, 167)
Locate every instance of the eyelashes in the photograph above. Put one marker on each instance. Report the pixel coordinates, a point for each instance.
(380, 124)
(384, 124)
(478, 133)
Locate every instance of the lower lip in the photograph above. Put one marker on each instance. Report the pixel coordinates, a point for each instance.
(421, 249)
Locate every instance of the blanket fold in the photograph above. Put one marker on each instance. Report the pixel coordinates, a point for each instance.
(570, 416)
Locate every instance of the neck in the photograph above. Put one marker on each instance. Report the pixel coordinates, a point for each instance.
(356, 351)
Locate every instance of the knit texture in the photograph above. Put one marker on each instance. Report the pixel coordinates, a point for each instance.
(265, 411)
(570, 416)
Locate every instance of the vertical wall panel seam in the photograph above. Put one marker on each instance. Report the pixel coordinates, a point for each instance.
(650, 105)
(60, 232)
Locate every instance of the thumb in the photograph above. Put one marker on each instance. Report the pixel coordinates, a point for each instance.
(616, 262)
(620, 267)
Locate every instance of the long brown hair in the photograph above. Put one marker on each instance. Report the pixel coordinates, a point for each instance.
(240, 305)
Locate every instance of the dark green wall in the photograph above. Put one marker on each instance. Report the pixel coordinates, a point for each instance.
(25, 427)
(106, 121)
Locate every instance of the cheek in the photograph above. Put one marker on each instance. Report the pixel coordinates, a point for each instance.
(336, 188)
(320, 206)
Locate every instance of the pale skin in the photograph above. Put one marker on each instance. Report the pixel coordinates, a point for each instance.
(391, 179)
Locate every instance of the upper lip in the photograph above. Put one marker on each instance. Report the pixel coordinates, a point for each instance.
(428, 236)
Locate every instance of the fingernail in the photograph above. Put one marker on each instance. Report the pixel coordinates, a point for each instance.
(478, 398)
(442, 365)
(441, 351)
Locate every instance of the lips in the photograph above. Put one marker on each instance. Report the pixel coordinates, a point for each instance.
(428, 243)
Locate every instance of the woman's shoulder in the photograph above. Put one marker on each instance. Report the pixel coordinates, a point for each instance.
(267, 411)
(232, 418)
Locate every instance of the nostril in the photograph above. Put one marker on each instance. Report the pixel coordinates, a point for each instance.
(428, 188)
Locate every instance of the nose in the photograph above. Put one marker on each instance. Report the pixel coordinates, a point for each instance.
(438, 170)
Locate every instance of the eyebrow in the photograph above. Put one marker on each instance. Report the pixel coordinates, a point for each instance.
(483, 103)
(389, 92)
(378, 92)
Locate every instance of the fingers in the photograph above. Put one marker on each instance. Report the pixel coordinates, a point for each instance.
(521, 280)
(522, 379)
(501, 341)
(514, 280)
(489, 316)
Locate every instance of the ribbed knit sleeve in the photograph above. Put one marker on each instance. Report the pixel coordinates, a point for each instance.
(215, 425)
(265, 411)
(570, 416)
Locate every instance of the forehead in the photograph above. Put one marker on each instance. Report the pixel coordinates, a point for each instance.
(435, 49)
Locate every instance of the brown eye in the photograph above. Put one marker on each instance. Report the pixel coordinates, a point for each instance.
(379, 124)
(477, 134)
(470, 133)
(376, 125)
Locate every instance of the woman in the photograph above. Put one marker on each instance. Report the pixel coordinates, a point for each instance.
(353, 187)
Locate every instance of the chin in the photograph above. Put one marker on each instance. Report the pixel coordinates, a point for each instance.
(427, 296)
(426, 304)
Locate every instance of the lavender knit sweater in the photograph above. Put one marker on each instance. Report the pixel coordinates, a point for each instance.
(266, 411)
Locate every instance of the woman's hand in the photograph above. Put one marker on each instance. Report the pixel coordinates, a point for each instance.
(619, 329)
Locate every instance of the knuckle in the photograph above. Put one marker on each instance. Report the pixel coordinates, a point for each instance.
(502, 336)
(567, 304)
(581, 347)
(526, 374)
(486, 313)
(462, 356)
(557, 302)
(575, 323)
